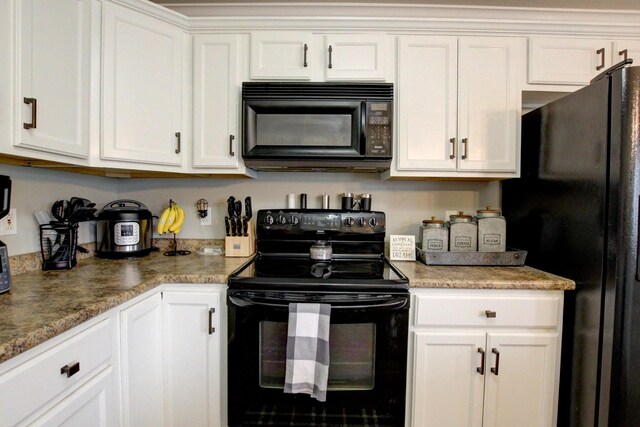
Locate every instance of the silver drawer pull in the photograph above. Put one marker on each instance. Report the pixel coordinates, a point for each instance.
(490, 314)
(70, 369)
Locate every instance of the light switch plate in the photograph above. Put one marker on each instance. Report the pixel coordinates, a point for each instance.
(9, 224)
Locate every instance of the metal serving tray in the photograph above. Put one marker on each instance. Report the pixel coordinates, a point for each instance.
(512, 257)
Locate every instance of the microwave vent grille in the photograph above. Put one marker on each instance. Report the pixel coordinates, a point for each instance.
(287, 90)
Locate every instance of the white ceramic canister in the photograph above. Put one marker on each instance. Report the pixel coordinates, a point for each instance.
(492, 230)
(435, 235)
(463, 233)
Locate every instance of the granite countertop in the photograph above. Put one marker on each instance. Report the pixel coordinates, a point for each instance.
(43, 304)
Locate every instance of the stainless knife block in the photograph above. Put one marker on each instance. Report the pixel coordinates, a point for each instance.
(241, 246)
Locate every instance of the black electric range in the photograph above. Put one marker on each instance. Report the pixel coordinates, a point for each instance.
(369, 300)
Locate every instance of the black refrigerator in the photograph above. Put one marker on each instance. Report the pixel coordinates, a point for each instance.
(575, 210)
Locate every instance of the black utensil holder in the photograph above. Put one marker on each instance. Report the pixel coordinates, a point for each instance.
(58, 245)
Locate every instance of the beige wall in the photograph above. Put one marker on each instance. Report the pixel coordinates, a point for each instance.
(406, 203)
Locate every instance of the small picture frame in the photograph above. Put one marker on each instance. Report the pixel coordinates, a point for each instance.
(402, 247)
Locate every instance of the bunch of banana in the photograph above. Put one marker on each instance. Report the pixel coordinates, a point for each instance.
(171, 219)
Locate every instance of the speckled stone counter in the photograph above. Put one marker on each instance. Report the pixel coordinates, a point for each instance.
(42, 305)
(428, 276)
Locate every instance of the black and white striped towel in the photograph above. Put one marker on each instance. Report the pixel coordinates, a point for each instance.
(308, 350)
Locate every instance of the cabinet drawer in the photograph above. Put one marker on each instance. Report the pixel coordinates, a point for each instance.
(466, 310)
(32, 384)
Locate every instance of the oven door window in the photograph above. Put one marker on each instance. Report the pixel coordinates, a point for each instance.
(352, 354)
(302, 128)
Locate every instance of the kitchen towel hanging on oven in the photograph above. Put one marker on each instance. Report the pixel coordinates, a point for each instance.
(308, 350)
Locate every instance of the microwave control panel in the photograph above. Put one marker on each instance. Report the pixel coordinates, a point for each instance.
(379, 130)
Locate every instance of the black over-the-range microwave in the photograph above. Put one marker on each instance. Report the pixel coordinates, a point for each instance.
(317, 126)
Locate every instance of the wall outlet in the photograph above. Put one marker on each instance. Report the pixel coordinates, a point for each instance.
(207, 219)
(9, 224)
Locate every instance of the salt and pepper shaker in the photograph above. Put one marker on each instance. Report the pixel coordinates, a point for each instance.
(303, 201)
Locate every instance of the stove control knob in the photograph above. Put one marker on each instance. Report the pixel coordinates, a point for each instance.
(348, 222)
(268, 220)
(373, 221)
(281, 220)
(293, 220)
(361, 222)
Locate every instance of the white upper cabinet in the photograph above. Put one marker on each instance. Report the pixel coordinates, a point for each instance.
(458, 106)
(280, 55)
(427, 109)
(355, 56)
(142, 88)
(53, 76)
(554, 60)
(490, 78)
(624, 49)
(216, 101)
(300, 55)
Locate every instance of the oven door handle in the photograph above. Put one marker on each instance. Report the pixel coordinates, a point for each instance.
(390, 303)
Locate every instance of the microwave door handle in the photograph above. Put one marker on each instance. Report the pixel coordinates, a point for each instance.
(363, 127)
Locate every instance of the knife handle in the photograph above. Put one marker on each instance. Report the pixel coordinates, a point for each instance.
(248, 212)
(226, 225)
(245, 226)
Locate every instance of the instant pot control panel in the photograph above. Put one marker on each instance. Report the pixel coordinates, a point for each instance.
(126, 233)
(300, 222)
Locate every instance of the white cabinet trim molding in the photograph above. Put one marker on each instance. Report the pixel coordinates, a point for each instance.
(494, 20)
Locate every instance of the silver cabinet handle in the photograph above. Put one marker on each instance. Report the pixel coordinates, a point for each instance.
(494, 370)
(465, 141)
(330, 53)
(179, 143)
(623, 53)
(34, 113)
(304, 62)
(70, 369)
(231, 138)
(480, 370)
(453, 148)
(601, 53)
(212, 329)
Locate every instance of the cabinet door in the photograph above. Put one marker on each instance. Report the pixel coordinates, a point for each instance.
(520, 383)
(427, 103)
(355, 57)
(280, 55)
(216, 95)
(555, 60)
(624, 49)
(192, 358)
(90, 405)
(142, 88)
(54, 76)
(142, 377)
(448, 388)
(490, 80)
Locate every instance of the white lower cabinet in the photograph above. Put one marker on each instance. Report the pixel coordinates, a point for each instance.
(484, 357)
(192, 335)
(171, 358)
(142, 380)
(68, 380)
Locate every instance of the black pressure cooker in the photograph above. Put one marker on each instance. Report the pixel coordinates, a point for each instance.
(124, 229)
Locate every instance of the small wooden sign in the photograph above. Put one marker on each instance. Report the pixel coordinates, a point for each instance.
(402, 248)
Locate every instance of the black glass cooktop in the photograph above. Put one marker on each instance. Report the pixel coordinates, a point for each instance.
(299, 272)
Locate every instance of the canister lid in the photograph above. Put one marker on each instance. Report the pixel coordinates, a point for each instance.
(488, 212)
(460, 217)
(433, 222)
